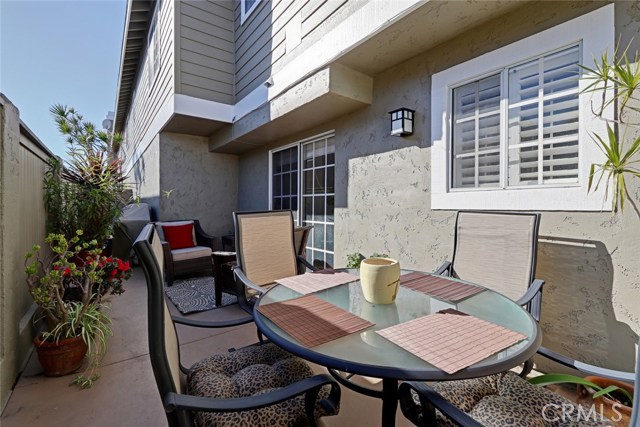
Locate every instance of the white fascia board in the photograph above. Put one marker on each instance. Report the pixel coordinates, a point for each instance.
(202, 108)
(368, 20)
(181, 104)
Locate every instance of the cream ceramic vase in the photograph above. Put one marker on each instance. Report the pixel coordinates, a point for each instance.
(380, 278)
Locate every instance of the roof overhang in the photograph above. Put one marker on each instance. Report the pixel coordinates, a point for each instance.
(326, 95)
(133, 46)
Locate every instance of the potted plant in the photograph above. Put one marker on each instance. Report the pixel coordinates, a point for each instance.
(615, 397)
(85, 190)
(68, 283)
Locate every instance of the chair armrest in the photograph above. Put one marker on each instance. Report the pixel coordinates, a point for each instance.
(243, 282)
(206, 324)
(444, 269)
(204, 239)
(430, 401)
(168, 260)
(585, 367)
(533, 298)
(311, 385)
(302, 260)
(246, 282)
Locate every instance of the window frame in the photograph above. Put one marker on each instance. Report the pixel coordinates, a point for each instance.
(503, 73)
(244, 12)
(595, 33)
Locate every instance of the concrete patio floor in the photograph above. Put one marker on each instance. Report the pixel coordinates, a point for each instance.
(126, 393)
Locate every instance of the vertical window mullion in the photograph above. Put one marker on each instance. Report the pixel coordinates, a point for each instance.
(504, 128)
(477, 136)
(540, 120)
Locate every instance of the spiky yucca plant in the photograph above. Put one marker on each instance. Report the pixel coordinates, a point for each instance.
(616, 81)
(84, 190)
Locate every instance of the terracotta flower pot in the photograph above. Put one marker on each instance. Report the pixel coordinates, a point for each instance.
(379, 278)
(618, 413)
(61, 358)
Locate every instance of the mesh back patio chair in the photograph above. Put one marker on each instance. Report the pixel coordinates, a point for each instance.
(258, 385)
(265, 252)
(498, 250)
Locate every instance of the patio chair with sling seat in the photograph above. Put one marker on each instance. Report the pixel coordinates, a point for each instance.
(496, 250)
(258, 385)
(265, 252)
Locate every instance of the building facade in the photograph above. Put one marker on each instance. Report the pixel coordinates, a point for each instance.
(263, 104)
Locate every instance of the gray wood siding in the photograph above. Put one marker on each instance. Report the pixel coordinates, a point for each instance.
(148, 97)
(260, 40)
(206, 50)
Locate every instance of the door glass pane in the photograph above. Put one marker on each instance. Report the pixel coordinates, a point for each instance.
(329, 236)
(308, 156)
(330, 180)
(320, 153)
(318, 185)
(318, 236)
(308, 182)
(318, 209)
(331, 151)
(308, 210)
(330, 205)
(284, 179)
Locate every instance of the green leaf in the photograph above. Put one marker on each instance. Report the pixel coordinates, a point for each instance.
(548, 379)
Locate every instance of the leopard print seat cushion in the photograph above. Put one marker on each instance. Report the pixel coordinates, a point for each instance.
(507, 400)
(248, 372)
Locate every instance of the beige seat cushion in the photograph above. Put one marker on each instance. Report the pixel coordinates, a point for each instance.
(190, 253)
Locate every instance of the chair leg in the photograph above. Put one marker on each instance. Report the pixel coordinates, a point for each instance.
(261, 337)
(526, 368)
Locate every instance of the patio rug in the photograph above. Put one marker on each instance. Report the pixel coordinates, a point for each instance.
(196, 294)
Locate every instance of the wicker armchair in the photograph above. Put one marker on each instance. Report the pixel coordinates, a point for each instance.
(192, 257)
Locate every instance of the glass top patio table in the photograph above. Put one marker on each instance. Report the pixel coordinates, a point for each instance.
(367, 353)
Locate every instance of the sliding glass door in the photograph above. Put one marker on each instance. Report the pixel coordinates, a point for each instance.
(303, 180)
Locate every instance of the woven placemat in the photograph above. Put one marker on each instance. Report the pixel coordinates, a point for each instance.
(449, 341)
(313, 321)
(439, 287)
(317, 281)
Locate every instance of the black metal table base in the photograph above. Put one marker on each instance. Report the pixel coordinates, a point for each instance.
(388, 394)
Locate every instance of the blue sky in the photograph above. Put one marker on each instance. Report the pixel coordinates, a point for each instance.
(60, 52)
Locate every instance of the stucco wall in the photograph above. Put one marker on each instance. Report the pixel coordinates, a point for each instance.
(144, 178)
(590, 261)
(22, 224)
(201, 184)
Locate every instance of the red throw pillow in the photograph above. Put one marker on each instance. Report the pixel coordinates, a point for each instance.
(179, 236)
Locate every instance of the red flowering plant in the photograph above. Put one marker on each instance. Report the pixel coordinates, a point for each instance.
(68, 283)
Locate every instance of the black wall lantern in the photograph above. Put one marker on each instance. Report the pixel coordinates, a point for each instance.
(402, 121)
